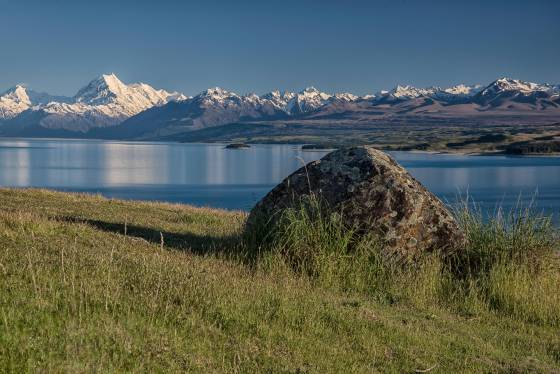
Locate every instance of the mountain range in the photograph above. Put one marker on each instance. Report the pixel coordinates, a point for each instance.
(109, 108)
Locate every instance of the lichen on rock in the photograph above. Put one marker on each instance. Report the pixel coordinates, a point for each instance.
(374, 195)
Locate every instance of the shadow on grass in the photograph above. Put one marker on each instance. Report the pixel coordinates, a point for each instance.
(195, 243)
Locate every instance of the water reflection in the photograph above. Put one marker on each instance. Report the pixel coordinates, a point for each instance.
(491, 181)
(208, 174)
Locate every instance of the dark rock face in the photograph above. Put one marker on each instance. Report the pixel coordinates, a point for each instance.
(374, 194)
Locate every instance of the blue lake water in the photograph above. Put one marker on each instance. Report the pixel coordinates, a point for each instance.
(209, 175)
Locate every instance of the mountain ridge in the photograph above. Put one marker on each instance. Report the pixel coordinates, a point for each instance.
(107, 107)
(104, 101)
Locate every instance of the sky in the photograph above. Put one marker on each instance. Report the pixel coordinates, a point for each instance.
(257, 46)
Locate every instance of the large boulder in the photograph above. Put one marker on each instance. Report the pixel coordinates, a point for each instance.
(374, 194)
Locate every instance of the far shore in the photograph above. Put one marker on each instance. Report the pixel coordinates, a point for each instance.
(471, 151)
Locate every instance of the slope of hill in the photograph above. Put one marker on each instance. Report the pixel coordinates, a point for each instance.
(91, 284)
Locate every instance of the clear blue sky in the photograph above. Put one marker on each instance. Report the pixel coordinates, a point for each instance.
(257, 46)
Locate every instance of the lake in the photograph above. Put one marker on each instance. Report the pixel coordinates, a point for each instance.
(209, 175)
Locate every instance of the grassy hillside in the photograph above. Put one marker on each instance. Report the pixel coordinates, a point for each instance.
(88, 283)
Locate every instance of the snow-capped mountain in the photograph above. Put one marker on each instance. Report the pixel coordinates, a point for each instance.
(307, 100)
(108, 89)
(19, 99)
(212, 107)
(410, 92)
(105, 101)
(347, 96)
(279, 100)
(140, 111)
(500, 100)
(513, 85)
(451, 94)
(464, 90)
(456, 94)
(507, 93)
(13, 102)
(217, 106)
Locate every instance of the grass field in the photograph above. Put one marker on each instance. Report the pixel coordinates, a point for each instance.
(91, 284)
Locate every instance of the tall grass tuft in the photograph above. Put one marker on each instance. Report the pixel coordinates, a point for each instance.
(511, 263)
(311, 240)
(520, 236)
(509, 266)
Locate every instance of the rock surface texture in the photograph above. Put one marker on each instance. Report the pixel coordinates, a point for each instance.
(374, 194)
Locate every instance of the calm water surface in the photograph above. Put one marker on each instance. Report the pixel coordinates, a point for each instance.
(208, 174)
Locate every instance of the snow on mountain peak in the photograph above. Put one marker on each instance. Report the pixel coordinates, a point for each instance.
(411, 92)
(14, 101)
(463, 90)
(17, 93)
(345, 96)
(310, 89)
(276, 94)
(102, 90)
(313, 92)
(307, 100)
(216, 93)
(19, 99)
(509, 84)
(105, 101)
(273, 96)
(278, 100)
(108, 89)
(111, 79)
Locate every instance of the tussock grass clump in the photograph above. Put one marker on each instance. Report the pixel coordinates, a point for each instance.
(311, 240)
(520, 236)
(509, 265)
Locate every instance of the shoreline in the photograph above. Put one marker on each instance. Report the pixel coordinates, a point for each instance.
(457, 152)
